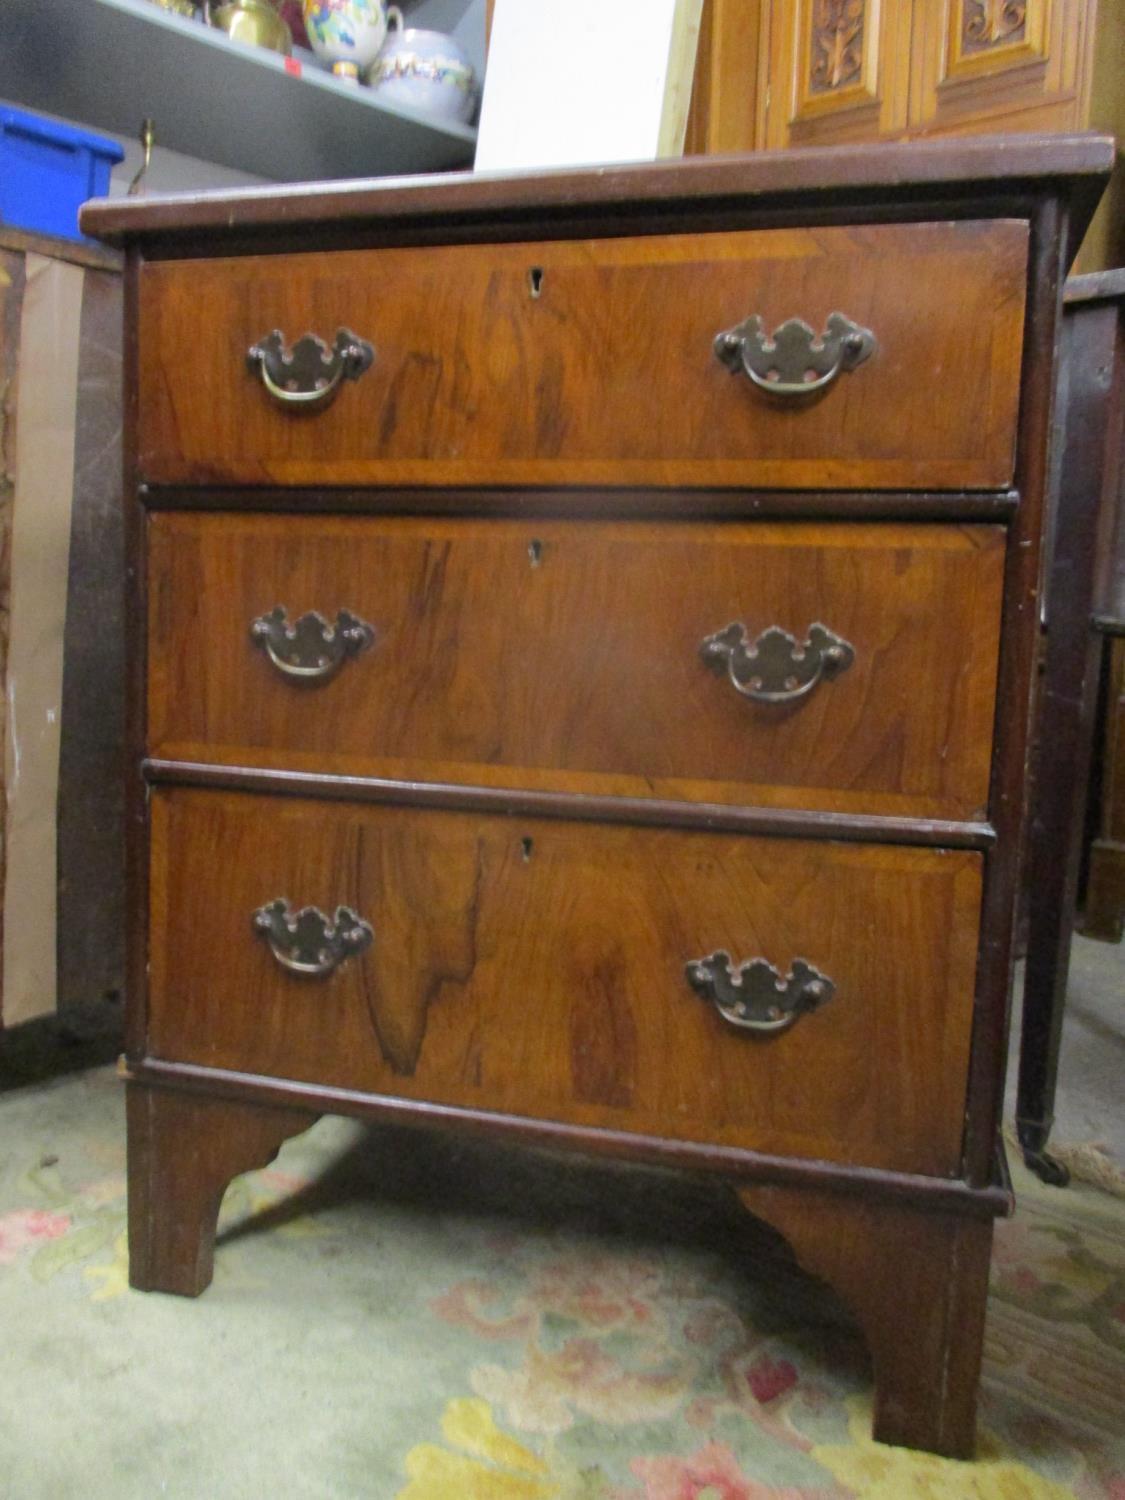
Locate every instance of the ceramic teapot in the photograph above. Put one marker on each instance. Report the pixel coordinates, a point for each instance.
(348, 33)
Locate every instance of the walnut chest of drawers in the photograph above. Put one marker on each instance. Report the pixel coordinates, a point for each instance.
(582, 632)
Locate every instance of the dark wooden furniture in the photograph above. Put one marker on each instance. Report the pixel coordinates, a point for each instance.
(1085, 605)
(652, 784)
(1104, 907)
(1104, 915)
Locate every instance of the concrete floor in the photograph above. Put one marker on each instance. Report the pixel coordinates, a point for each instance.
(1090, 1102)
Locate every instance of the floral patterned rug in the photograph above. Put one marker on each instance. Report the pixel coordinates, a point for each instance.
(406, 1317)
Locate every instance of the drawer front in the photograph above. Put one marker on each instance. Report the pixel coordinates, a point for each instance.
(571, 656)
(593, 362)
(537, 968)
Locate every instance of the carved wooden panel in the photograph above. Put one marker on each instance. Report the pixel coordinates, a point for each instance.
(988, 24)
(836, 70)
(840, 60)
(1000, 64)
(988, 35)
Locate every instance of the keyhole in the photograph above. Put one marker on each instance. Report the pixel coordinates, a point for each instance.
(535, 281)
(526, 846)
(535, 552)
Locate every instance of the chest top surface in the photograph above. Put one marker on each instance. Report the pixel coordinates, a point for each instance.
(832, 181)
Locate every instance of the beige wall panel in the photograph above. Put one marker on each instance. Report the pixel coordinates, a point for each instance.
(48, 371)
(11, 298)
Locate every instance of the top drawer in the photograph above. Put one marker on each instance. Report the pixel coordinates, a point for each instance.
(592, 362)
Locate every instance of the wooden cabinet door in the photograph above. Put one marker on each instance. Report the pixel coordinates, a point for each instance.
(729, 89)
(838, 71)
(1000, 64)
(814, 72)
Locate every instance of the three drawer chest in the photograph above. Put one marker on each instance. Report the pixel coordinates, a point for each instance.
(582, 643)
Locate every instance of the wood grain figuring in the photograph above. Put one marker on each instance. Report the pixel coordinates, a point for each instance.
(917, 1281)
(476, 381)
(536, 969)
(564, 656)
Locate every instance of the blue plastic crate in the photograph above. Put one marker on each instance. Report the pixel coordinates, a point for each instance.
(48, 170)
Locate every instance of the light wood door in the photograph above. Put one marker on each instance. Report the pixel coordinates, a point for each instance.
(1000, 64)
(838, 71)
(812, 72)
(728, 96)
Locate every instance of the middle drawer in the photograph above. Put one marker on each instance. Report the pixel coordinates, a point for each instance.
(837, 666)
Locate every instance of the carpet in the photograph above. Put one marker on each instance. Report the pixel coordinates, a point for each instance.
(403, 1316)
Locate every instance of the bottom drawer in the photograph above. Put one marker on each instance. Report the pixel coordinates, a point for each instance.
(537, 968)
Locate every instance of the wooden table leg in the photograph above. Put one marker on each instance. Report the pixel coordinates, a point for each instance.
(917, 1282)
(184, 1150)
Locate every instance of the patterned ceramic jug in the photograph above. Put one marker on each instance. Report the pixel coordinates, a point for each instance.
(428, 71)
(348, 33)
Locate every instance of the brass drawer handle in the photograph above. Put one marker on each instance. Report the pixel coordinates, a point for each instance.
(308, 376)
(311, 650)
(776, 668)
(754, 996)
(781, 365)
(307, 942)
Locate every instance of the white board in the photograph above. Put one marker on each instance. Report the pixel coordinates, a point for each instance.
(586, 82)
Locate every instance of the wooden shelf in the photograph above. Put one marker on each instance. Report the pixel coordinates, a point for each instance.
(111, 63)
